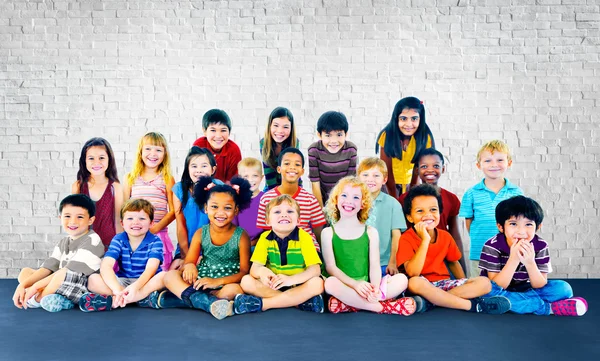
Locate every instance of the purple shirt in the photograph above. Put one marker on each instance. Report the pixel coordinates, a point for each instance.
(495, 254)
(247, 218)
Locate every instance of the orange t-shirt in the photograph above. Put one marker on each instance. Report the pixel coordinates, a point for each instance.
(434, 268)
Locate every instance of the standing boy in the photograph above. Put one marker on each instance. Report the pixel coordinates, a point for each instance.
(386, 215)
(422, 256)
(291, 167)
(139, 255)
(332, 157)
(251, 170)
(430, 167)
(61, 280)
(286, 268)
(216, 126)
(517, 261)
(480, 201)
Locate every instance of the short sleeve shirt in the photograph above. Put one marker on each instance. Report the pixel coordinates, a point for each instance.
(133, 263)
(402, 169)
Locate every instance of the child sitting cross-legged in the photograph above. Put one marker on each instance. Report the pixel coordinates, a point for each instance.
(351, 252)
(211, 284)
(421, 254)
(139, 254)
(286, 267)
(517, 261)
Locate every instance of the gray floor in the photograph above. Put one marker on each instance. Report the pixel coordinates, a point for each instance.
(144, 334)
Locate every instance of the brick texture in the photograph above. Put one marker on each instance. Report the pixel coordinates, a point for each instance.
(528, 74)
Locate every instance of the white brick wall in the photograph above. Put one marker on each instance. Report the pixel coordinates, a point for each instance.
(529, 74)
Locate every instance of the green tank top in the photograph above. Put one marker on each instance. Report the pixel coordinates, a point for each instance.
(219, 261)
(352, 255)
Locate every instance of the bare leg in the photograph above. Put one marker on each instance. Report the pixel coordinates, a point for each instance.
(421, 286)
(154, 284)
(96, 285)
(396, 284)
(277, 299)
(474, 287)
(228, 292)
(25, 272)
(174, 282)
(348, 295)
(57, 279)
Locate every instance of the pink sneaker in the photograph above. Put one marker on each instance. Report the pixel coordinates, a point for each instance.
(337, 306)
(575, 306)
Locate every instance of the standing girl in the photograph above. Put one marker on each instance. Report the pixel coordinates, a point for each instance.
(151, 179)
(97, 178)
(225, 248)
(199, 163)
(401, 141)
(351, 253)
(280, 134)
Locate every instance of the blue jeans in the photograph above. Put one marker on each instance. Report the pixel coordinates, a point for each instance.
(534, 300)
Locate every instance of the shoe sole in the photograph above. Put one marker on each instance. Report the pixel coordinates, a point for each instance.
(221, 309)
(95, 303)
(55, 304)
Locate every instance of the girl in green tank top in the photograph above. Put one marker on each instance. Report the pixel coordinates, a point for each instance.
(351, 253)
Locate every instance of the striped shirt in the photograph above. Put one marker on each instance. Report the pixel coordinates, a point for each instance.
(300, 253)
(495, 254)
(155, 192)
(328, 168)
(272, 178)
(81, 255)
(311, 214)
(133, 263)
(479, 203)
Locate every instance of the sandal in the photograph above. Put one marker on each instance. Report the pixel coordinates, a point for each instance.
(337, 306)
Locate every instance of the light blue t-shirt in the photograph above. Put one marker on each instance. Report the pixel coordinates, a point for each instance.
(386, 215)
(479, 203)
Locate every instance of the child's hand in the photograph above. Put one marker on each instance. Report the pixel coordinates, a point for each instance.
(119, 299)
(19, 296)
(29, 293)
(190, 273)
(526, 253)
(392, 268)
(266, 279)
(206, 283)
(421, 229)
(514, 251)
(130, 293)
(280, 280)
(364, 289)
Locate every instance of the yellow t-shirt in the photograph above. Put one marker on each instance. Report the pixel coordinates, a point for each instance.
(402, 169)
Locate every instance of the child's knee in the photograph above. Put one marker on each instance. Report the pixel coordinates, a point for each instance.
(416, 284)
(315, 285)
(332, 284)
(171, 276)
(483, 283)
(25, 272)
(247, 283)
(560, 288)
(400, 279)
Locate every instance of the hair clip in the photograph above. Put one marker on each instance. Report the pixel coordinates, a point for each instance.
(209, 186)
(421, 102)
(237, 188)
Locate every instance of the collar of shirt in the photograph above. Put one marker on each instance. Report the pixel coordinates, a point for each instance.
(507, 185)
(124, 238)
(283, 243)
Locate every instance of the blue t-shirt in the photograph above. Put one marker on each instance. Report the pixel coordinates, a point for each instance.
(133, 263)
(195, 218)
(479, 203)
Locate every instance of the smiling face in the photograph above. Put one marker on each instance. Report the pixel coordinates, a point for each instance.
(408, 121)
(349, 202)
(333, 141)
(200, 167)
(217, 135)
(152, 155)
(282, 218)
(518, 229)
(76, 221)
(430, 169)
(425, 209)
(373, 178)
(281, 128)
(493, 165)
(291, 167)
(221, 209)
(136, 223)
(96, 160)
(253, 176)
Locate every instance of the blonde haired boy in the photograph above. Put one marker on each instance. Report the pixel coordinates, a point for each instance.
(251, 170)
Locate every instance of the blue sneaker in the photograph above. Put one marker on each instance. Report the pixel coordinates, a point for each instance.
(151, 301)
(313, 304)
(166, 299)
(91, 302)
(55, 303)
(243, 303)
(422, 304)
(495, 305)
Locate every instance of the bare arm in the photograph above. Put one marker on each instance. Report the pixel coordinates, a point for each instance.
(468, 222)
(108, 275)
(392, 267)
(310, 272)
(374, 263)
(170, 216)
(244, 250)
(126, 189)
(414, 266)
(316, 189)
(456, 269)
(182, 235)
(75, 188)
(149, 272)
(454, 229)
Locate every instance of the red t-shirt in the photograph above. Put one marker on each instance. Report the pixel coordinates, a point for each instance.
(227, 158)
(434, 268)
(451, 206)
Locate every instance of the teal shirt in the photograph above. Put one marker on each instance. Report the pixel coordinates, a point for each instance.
(386, 215)
(479, 203)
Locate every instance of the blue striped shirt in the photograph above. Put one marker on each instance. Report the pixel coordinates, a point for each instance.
(479, 203)
(133, 263)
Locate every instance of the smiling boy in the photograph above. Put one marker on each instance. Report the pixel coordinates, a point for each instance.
(216, 126)
(291, 168)
(332, 157)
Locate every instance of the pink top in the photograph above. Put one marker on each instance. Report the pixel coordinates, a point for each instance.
(155, 192)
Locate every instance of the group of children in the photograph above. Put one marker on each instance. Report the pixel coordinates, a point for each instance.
(367, 238)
